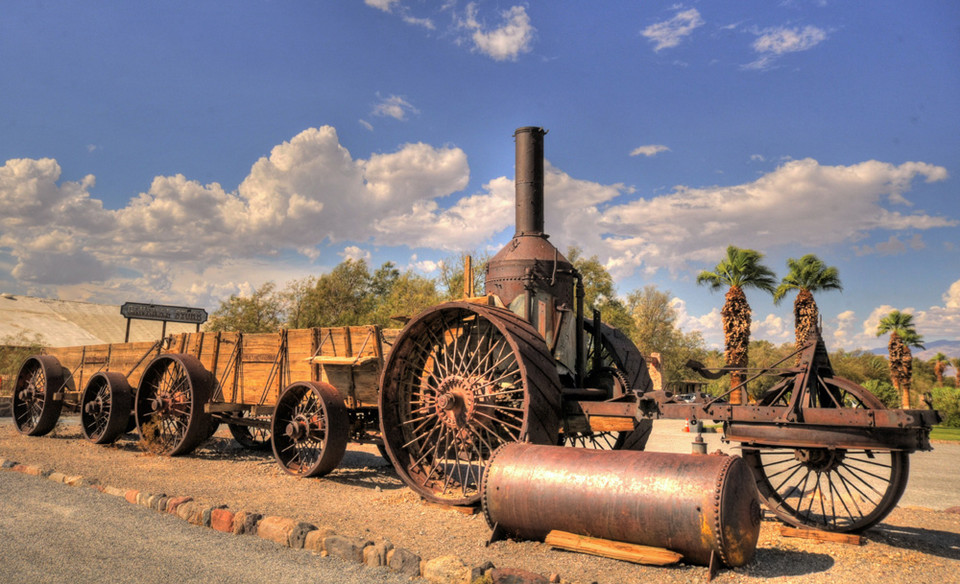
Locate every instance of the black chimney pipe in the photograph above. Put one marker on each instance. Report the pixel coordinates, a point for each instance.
(529, 177)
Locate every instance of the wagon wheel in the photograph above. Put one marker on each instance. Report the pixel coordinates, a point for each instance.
(36, 408)
(845, 490)
(105, 407)
(251, 437)
(169, 404)
(622, 369)
(309, 429)
(461, 380)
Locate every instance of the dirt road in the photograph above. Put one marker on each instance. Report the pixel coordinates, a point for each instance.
(365, 498)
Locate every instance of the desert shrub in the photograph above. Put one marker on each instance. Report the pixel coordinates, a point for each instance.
(885, 391)
(13, 350)
(946, 400)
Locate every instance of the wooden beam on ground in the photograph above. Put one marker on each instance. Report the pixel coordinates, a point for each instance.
(847, 538)
(618, 550)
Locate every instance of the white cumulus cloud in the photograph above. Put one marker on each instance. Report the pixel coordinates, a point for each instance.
(506, 42)
(395, 107)
(670, 33)
(774, 42)
(649, 150)
(308, 191)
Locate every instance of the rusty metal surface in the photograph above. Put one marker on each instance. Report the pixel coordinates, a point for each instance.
(461, 380)
(36, 403)
(529, 180)
(692, 504)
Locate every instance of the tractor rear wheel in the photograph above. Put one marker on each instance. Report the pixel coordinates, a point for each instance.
(461, 380)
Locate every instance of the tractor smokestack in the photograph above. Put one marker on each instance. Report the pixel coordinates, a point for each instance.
(529, 177)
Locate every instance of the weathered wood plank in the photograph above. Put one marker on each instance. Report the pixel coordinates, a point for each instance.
(618, 550)
(846, 538)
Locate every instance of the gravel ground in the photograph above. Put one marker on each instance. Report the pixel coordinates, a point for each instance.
(365, 498)
(97, 528)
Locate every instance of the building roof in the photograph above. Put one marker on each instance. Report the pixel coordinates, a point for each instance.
(66, 323)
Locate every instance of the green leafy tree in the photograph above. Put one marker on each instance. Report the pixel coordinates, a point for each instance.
(807, 275)
(766, 354)
(14, 349)
(452, 270)
(600, 292)
(260, 312)
(903, 335)
(859, 366)
(741, 268)
(655, 330)
(407, 295)
(294, 297)
(340, 297)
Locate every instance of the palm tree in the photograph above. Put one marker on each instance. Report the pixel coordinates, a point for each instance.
(807, 275)
(956, 370)
(740, 269)
(903, 335)
(940, 363)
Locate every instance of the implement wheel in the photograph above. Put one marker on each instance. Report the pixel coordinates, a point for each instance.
(622, 369)
(105, 407)
(36, 407)
(309, 429)
(169, 404)
(461, 380)
(249, 436)
(830, 489)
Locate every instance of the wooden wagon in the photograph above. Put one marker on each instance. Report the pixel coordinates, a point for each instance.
(303, 392)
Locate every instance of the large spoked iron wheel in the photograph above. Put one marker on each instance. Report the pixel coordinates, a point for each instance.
(249, 436)
(461, 380)
(622, 369)
(310, 429)
(105, 407)
(169, 404)
(843, 490)
(36, 408)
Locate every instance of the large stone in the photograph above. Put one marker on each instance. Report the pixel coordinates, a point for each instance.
(345, 547)
(375, 554)
(174, 502)
(222, 520)
(208, 514)
(114, 491)
(238, 518)
(299, 534)
(479, 571)
(314, 539)
(404, 561)
(57, 476)
(185, 510)
(276, 529)
(516, 576)
(8, 464)
(251, 523)
(161, 504)
(446, 570)
(75, 481)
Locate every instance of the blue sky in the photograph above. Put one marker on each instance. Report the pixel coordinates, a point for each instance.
(180, 152)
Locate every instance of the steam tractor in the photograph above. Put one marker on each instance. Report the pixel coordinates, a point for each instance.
(522, 363)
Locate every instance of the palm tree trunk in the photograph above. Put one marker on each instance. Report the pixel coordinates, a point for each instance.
(736, 330)
(806, 316)
(901, 365)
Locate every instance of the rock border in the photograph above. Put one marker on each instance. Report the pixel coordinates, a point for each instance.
(292, 533)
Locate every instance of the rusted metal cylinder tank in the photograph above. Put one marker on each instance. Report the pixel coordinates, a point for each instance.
(691, 504)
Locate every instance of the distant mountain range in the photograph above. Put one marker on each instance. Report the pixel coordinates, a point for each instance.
(949, 348)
